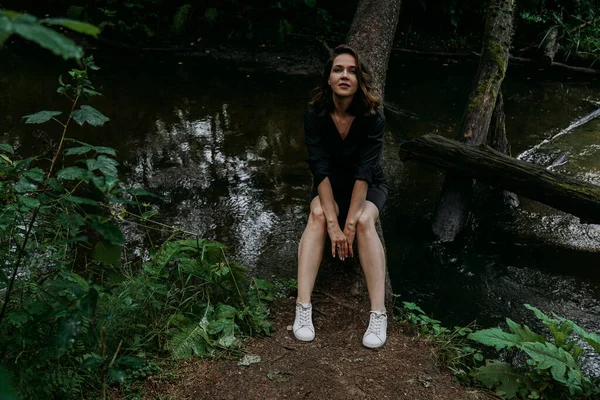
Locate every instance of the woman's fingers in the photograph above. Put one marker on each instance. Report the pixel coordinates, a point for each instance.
(333, 247)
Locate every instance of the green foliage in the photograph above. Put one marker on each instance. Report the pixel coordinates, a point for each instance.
(74, 317)
(540, 368)
(453, 349)
(31, 28)
(180, 18)
(551, 369)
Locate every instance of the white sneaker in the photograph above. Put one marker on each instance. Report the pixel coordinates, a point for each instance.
(303, 325)
(376, 333)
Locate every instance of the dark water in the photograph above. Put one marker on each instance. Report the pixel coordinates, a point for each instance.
(223, 145)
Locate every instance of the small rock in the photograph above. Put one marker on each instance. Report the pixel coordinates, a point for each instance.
(249, 359)
(289, 328)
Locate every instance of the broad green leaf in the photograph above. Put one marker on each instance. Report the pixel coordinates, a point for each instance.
(77, 26)
(40, 117)
(106, 165)
(92, 361)
(35, 174)
(81, 200)
(110, 232)
(189, 341)
(90, 115)
(227, 341)
(105, 150)
(25, 185)
(116, 374)
(7, 148)
(71, 173)
(108, 253)
(547, 355)
(28, 201)
(591, 338)
(310, 3)
(523, 333)
(78, 150)
(45, 37)
(501, 376)
(495, 337)
(91, 92)
(6, 29)
(413, 307)
(216, 326)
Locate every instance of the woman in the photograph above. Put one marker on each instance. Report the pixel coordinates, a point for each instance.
(344, 130)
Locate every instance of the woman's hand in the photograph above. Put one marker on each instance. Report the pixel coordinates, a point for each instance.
(338, 241)
(350, 233)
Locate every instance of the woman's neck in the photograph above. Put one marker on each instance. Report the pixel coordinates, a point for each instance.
(341, 104)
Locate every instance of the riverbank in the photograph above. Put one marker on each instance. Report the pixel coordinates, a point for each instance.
(334, 366)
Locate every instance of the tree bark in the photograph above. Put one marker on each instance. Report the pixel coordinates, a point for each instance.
(453, 209)
(550, 46)
(497, 140)
(372, 35)
(565, 193)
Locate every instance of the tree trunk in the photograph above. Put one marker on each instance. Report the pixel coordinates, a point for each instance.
(565, 193)
(497, 140)
(372, 35)
(550, 46)
(453, 209)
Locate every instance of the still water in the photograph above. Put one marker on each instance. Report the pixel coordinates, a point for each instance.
(223, 146)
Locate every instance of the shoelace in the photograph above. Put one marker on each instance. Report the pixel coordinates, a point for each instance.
(304, 316)
(375, 323)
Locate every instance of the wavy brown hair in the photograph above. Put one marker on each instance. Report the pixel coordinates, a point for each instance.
(364, 101)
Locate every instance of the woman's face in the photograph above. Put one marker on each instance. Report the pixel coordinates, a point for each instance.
(342, 77)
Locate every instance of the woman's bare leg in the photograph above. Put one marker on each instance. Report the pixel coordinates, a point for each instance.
(310, 250)
(371, 255)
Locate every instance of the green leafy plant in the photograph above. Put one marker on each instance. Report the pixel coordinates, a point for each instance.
(550, 367)
(36, 30)
(74, 318)
(451, 345)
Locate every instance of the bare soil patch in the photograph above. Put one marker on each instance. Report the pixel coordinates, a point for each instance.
(334, 366)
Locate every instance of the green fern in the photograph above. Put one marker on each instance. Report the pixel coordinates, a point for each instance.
(180, 19)
(190, 341)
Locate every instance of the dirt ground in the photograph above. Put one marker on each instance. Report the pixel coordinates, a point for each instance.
(334, 366)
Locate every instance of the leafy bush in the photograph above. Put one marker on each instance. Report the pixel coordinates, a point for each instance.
(74, 318)
(550, 367)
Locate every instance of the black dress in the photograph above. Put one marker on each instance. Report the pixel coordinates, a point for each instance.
(357, 157)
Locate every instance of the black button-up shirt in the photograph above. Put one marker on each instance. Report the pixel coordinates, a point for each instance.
(357, 157)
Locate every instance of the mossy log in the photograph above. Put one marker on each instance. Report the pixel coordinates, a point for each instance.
(564, 193)
(453, 208)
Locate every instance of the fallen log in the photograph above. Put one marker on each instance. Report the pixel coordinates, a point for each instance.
(562, 192)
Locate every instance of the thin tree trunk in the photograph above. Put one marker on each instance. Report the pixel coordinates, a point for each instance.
(564, 193)
(497, 140)
(550, 46)
(453, 209)
(372, 35)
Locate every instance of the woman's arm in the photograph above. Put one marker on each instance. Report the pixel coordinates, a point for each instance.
(370, 154)
(357, 202)
(318, 160)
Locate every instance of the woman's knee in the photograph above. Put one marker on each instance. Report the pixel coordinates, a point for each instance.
(366, 222)
(317, 216)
